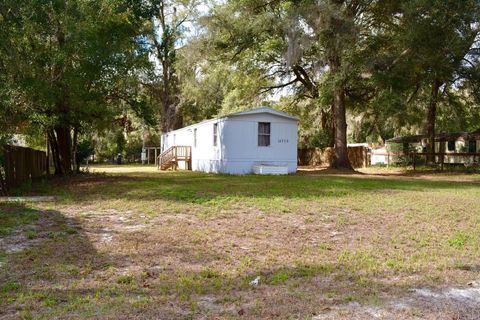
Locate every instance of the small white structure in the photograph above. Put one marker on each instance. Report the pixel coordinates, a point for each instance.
(260, 140)
(378, 156)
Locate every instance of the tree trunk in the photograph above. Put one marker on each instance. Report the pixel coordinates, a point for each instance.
(76, 165)
(47, 143)
(166, 55)
(64, 148)
(3, 186)
(61, 148)
(340, 159)
(431, 117)
(328, 125)
(170, 118)
(54, 149)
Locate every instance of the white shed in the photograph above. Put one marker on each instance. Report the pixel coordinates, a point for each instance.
(260, 140)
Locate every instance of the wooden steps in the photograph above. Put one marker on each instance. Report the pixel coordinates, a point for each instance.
(171, 157)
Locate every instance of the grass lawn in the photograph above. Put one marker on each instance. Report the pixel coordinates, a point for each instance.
(138, 243)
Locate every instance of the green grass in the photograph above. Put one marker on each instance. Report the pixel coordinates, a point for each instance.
(9, 286)
(125, 279)
(459, 239)
(14, 216)
(185, 244)
(211, 193)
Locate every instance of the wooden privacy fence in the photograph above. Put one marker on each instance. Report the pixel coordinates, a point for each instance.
(358, 157)
(22, 164)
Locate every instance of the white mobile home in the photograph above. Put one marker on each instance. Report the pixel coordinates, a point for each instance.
(260, 140)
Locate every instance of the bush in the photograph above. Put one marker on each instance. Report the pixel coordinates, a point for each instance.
(133, 149)
(84, 150)
(404, 148)
(321, 139)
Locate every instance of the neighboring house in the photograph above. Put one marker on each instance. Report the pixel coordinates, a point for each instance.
(448, 143)
(260, 140)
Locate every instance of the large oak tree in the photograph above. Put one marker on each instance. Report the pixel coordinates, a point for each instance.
(312, 49)
(70, 64)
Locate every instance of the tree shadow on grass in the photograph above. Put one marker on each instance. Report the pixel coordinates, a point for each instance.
(201, 188)
(50, 268)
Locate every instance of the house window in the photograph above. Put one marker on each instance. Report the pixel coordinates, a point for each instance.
(472, 146)
(263, 134)
(195, 138)
(451, 145)
(215, 134)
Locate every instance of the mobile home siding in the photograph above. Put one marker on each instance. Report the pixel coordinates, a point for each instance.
(205, 156)
(242, 151)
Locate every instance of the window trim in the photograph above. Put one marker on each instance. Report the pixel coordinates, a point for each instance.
(215, 134)
(195, 137)
(263, 134)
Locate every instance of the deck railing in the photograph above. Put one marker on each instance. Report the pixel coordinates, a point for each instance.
(439, 158)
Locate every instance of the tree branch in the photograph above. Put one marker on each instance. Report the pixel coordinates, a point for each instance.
(303, 77)
(283, 85)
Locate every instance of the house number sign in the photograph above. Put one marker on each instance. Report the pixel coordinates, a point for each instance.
(282, 140)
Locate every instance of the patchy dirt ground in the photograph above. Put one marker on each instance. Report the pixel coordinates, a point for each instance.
(183, 245)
